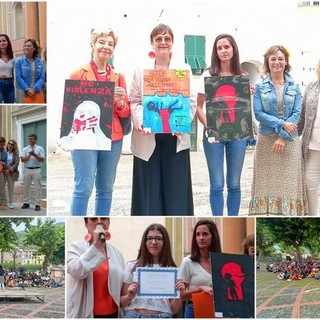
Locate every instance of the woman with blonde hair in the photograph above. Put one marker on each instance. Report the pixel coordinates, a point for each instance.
(278, 186)
(309, 128)
(248, 245)
(11, 171)
(98, 167)
(30, 73)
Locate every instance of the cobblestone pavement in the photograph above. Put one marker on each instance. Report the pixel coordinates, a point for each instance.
(52, 307)
(60, 185)
(286, 299)
(18, 201)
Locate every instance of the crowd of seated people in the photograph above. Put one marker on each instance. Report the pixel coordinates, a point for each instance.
(295, 270)
(30, 279)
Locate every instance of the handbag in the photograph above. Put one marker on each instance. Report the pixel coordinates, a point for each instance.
(36, 98)
(125, 122)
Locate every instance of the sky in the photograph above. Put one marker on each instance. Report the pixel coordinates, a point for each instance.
(34, 222)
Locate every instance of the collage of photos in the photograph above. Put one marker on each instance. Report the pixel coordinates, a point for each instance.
(160, 160)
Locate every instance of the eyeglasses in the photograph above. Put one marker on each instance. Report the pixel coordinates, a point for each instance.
(166, 39)
(10, 144)
(156, 239)
(96, 219)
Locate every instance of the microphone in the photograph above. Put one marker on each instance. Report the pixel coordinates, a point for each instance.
(102, 237)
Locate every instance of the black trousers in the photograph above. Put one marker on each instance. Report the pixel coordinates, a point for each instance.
(162, 186)
(112, 315)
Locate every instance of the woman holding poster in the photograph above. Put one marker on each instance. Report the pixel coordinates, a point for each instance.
(225, 61)
(98, 167)
(155, 252)
(195, 269)
(278, 186)
(161, 167)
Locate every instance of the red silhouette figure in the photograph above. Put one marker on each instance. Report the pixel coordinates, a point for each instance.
(226, 97)
(164, 112)
(233, 275)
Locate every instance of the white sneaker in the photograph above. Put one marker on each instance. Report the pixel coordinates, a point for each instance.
(11, 206)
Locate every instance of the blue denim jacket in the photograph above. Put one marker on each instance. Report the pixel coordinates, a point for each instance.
(3, 157)
(23, 73)
(266, 108)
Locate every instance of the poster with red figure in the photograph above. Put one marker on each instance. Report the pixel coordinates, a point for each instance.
(166, 101)
(87, 115)
(228, 108)
(233, 285)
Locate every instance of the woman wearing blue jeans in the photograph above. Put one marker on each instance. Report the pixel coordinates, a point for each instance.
(6, 70)
(224, 62)
(98, 167)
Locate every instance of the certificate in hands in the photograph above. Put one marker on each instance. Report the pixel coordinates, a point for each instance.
(157, 282)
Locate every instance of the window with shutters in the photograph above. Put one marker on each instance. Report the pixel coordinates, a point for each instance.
(195, 53)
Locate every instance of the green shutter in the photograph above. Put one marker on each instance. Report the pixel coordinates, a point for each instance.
(195, 53)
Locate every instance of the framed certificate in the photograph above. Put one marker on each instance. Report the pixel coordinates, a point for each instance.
(157, 282)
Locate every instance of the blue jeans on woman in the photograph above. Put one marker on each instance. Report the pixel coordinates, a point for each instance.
(188, 310)
(97, 167)
(235, 153)
(6, 91)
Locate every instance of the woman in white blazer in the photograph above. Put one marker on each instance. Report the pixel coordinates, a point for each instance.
(95, 274)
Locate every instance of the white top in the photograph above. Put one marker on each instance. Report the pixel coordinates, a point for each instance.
(9, 157)
(191, 272)
(314, 143)
(201, 88)
(7, 67)
(155, 304)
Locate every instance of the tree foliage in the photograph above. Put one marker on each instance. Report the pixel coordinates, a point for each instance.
(8, 235)
(48, 239)
(294, 232)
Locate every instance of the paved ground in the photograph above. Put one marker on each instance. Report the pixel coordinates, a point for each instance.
(52, 307)
(18, 201)
(60, 185)
(286, 299)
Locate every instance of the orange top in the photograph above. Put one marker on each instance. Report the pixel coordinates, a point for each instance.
(103, 302)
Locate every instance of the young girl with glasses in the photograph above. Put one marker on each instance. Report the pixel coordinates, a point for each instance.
(154, 252)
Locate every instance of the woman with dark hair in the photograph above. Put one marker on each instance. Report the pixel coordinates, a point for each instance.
(161, 166)
(11, 170)
(6, 70)
(154, 252)
(225, 61)
(278, 186)
(195, 269)
(30, 73)
(95, 271)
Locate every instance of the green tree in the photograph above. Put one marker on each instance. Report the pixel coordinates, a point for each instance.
(47, 238)
(8, 235)
(264, 240)
(295, 232)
